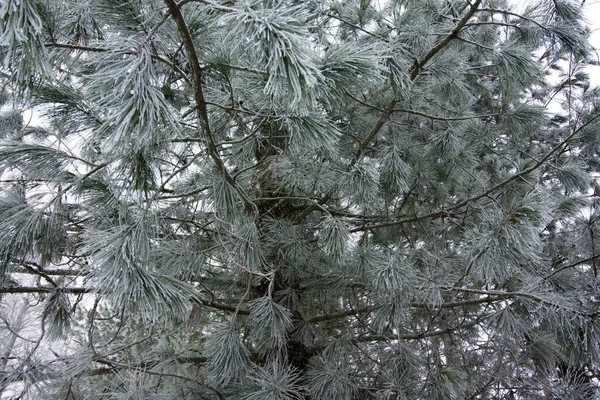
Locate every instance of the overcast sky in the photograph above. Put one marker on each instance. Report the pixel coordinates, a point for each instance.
(592, 15)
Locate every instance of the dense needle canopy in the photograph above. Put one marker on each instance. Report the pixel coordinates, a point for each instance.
(283, 200)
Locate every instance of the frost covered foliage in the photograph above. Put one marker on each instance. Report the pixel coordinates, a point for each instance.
(285, 200)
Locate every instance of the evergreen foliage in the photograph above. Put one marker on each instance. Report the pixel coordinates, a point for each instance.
(285, 200)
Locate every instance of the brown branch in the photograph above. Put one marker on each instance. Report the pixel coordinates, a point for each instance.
(76, 47)
(214, 6)
(82, 290)
(201, 105)
(438, 118)
(464, 303)
(50, 272)
(342, 314)
(147, 367)
(144, 365)
(22, 266)
(512, 14)
(418, 66)
(39, 272)
(221, 306)
(44, 289)
(424, 115)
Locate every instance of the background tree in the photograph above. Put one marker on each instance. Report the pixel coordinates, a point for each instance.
(286, 199)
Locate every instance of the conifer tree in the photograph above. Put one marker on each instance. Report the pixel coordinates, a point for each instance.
(283, 200)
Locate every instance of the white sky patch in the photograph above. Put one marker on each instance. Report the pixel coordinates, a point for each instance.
(591, 12)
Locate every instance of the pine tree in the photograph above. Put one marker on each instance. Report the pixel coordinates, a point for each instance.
(283, 200)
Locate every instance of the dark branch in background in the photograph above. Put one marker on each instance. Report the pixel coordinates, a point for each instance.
(42, 289)
(213, 5)
(76, 47)
(49, 272)
(512, 14)
(437, 214)
(573, 265)
(237, 68)
(424, 115)
(221, 306)
(522, 295)
(22, 266)
(39, 272)
(81, 290)
(145, 365)
(491, 297)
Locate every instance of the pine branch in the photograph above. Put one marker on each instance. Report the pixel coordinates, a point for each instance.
(42, 289)
(433, 215)
(499, 293)
(41, 273)
(418, 66)
(49, 272)
(235, 67)
(425, 115)
(149, 367)
(573, 265)
(448, 212)
(213, 5)
(489, 299)
(81, 290)
(414, 73)
(354, 26)
(196, 71)
(512, 14)
(150, 364)
(223, 307)
(342, 314)
(76, 47)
